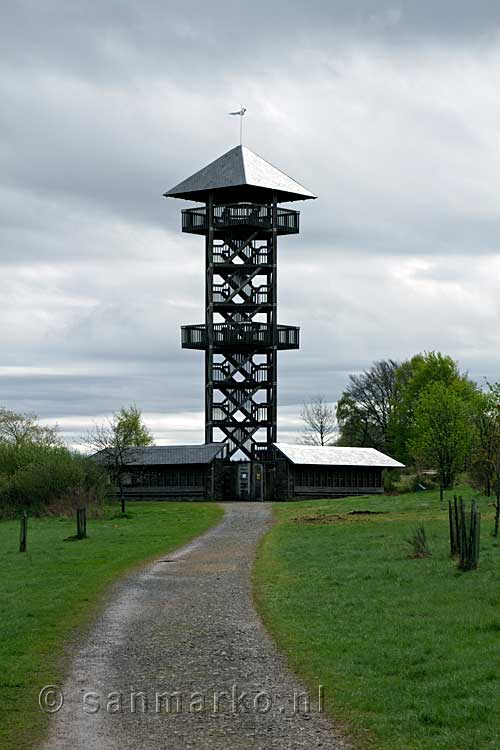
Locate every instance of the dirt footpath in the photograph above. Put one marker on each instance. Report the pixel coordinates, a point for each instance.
(179, 659)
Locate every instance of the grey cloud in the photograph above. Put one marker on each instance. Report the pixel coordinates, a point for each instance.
(92, 36)
(386, 110)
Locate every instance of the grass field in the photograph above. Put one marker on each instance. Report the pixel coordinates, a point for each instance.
(56, 586)
(408, 649)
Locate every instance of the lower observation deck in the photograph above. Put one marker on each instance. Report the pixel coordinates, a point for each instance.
(241, 216)
(240, 336)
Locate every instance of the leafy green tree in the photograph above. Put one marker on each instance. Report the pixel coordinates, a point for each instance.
(486, 452)
(485, 416)
(412, 379)
(377, 408)
(22, 429)
(133, 430)
(442, 429)
(365, 407)
(114, 444)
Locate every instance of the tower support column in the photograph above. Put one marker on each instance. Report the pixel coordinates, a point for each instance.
(209, 319)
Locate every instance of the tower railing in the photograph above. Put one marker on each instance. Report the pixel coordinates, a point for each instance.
(240, 215)
(253, 295)
(253, 376)
(240, 335)
(258, 256)
(221, 413)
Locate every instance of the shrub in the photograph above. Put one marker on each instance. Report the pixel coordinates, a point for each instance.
(390, 479)
(429, 481)
(411, 481)
(417, 542)
(47, 479)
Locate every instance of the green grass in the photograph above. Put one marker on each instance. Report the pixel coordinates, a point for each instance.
(408, 649)
(57, 586)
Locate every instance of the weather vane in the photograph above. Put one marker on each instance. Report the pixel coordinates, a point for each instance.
(240, 112)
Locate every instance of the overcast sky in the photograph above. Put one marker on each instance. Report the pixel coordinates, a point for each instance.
(388, 111)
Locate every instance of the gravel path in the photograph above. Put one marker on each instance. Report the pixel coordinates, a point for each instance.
(187, 624)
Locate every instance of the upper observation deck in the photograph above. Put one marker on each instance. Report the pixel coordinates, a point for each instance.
(241, 217)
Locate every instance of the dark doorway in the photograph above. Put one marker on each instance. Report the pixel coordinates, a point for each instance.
(244, 481)
(249, 481)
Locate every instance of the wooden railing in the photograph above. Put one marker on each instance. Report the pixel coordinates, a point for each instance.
(257, 256)
(257, 374)
(257, 413)
(251, 295)
(244, 335)
(246, 215)
(262, 452)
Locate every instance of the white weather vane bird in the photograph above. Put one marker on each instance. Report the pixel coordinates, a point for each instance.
(240, 113)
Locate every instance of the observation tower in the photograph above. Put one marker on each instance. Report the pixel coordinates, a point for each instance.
(241, 219)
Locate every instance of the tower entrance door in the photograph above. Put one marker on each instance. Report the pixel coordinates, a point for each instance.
(258, 481)
(249, 481)
(243, 484)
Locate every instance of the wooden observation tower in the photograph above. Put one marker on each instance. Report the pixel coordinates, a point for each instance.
(241, 220)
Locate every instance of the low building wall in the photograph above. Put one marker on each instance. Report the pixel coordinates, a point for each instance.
(178, 482)
(309, 481)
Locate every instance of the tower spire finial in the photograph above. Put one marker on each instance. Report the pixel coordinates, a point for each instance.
(240, 112)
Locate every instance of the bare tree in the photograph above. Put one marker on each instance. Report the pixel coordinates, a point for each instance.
(320, 424)
(115, 444)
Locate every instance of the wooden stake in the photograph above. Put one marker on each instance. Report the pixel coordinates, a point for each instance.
(23, 539)
(81, 523)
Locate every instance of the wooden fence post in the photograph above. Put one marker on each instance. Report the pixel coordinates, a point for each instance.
(450, 526)
(81, 523)
(24, 532)
(457, 524)
(469, 537)
(463, 536)
(454, 524)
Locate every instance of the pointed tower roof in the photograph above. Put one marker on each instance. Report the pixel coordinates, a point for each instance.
(240, 174)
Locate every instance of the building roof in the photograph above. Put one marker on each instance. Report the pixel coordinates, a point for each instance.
(336, 456)
(172, 455)
(240, 168)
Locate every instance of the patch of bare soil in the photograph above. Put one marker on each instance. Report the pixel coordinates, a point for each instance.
(337, 517)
